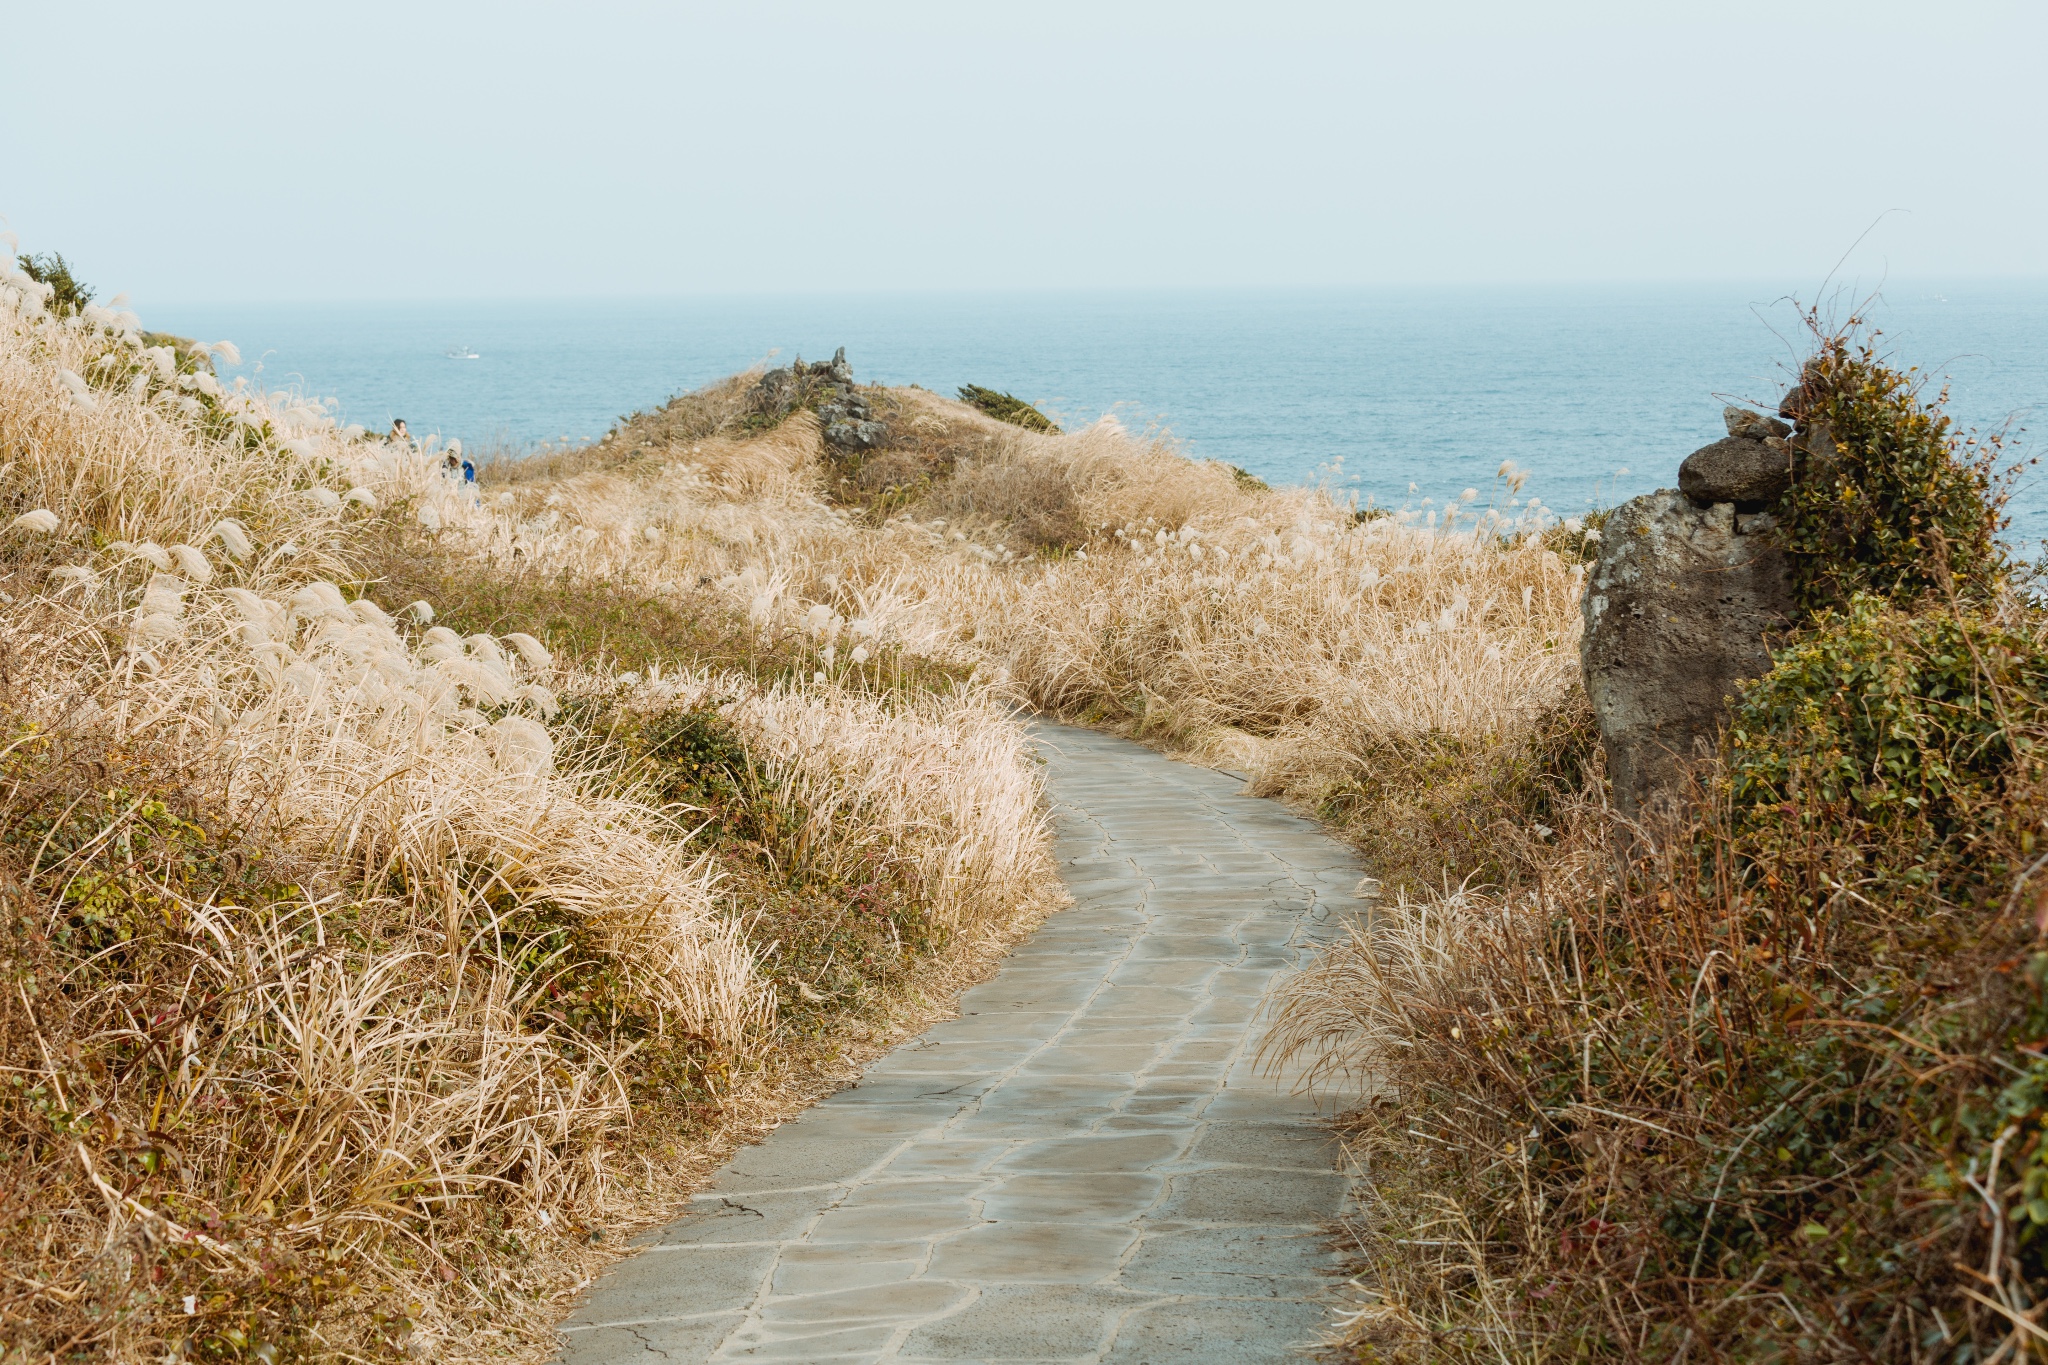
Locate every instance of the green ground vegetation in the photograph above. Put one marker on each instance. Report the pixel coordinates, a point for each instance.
(1006, 407)
(68, 292)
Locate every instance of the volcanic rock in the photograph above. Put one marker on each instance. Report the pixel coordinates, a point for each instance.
(1679, 608)
(1754, 425)
(856, 435)
(1740, 469)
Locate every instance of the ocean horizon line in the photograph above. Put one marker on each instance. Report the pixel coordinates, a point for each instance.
(1530, 288)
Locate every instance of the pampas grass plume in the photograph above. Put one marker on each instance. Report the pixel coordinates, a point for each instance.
(192, 563)
(234, 538)
(159, 626)
(533, 651)
(540, 698)
(164, 596)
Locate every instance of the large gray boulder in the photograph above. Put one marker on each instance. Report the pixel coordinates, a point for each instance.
(1680, 606)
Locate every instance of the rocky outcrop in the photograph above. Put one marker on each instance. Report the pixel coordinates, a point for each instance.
(828, 386)
(1680, 607)
(1747, 473)
(1688, 593)
(1753, 425)
(1750, 467)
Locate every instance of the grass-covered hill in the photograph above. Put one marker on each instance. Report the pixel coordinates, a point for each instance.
(370, 966)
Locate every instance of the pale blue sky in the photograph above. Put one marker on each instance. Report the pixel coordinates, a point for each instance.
(240, 151)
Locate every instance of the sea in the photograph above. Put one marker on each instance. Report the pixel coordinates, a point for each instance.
(1399, 397)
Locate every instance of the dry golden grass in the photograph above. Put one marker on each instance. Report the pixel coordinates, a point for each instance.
(1103, 577)
(1096, 576)
(295, 884)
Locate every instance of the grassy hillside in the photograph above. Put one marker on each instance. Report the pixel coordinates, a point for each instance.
(372, 965)
(1098, 577)
(1768, 1091)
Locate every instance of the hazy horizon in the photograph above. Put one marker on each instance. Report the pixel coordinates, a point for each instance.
(519, 151)
(1854, 288)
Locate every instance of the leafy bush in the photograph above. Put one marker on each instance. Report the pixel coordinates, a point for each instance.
(1788, 1051)
(72, 293)
(1897, 734)
(1005, 407)
(1885, 498)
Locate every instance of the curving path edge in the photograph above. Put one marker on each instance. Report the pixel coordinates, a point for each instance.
(1084, 1166)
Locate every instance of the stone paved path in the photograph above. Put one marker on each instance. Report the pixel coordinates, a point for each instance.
(1083, 1167)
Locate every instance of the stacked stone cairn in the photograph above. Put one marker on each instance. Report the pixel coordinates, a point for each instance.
(847, 419)
(1688, 592)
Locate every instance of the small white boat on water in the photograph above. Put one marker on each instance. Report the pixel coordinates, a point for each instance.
(461, 353)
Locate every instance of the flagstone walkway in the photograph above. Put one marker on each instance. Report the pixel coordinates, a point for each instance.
(1085, 1166)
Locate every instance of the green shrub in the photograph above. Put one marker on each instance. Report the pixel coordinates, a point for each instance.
(1885, 497)
(1005, 407)
(52, 269)
(1894, 733)
(1781, 1052)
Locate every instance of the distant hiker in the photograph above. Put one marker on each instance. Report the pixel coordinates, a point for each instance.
(399, 435)
(452, 466)
(468, 471)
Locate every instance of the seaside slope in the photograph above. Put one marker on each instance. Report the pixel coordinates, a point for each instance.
(371, 971)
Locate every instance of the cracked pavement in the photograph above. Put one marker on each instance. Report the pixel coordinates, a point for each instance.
(1085, 1166)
